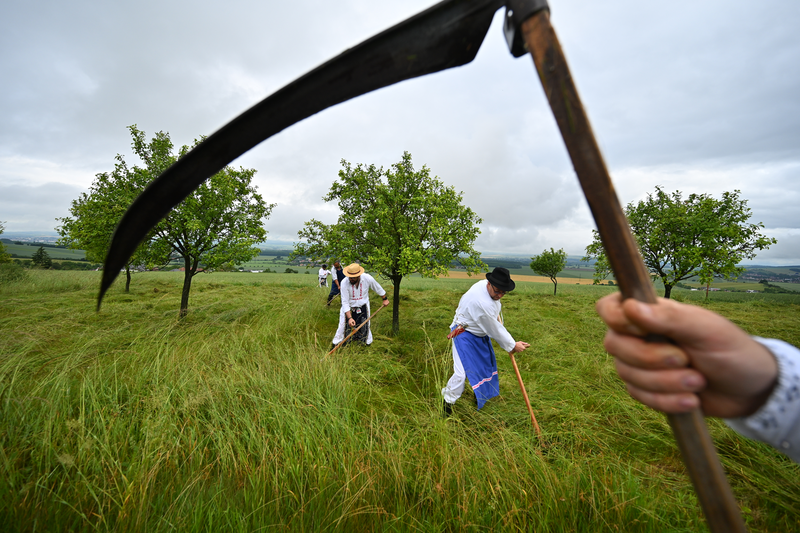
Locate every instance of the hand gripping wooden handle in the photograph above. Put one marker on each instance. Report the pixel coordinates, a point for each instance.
(690, 430)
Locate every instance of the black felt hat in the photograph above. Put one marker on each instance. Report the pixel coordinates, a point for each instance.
(501, 279)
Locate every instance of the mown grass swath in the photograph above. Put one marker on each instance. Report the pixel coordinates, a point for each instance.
(230, 420)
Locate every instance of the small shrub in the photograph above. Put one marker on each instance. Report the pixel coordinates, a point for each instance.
(10, 272)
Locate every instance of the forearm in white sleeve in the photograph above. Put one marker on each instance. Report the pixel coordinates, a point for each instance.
(777, 422)
(377, 287)
(498, 332)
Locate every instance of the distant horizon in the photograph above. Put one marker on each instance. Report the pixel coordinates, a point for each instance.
(278, 244)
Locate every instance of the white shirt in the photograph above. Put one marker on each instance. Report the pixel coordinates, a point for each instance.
(356, 296)
(323, 274)
(478, 313)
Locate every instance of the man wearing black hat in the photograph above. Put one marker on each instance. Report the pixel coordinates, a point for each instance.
(476, 323)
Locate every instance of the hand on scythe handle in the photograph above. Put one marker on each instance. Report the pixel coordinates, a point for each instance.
(690, 430)
(355, 330)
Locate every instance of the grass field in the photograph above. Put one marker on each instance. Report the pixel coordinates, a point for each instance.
(233, 420)
(460, 274)
(567, 275)
(263, 262)
(731, 285)
(789, 286)
(26, 250)
(742, 285)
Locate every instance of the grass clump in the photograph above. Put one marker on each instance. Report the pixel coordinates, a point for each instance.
(11, 273)
(233, 419)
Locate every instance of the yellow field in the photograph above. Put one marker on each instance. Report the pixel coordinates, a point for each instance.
(458, 274)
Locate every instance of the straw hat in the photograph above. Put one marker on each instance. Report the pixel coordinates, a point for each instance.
(354, 270)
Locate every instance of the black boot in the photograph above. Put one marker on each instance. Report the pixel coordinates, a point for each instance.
(447, 409)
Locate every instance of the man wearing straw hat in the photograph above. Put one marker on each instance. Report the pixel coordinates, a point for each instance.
(476, 323)
(355, 304)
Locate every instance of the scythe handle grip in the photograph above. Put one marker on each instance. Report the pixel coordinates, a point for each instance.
(690, 430)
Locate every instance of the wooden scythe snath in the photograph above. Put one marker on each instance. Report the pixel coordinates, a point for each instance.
(525, 396)
(443, 36)
(689, 429)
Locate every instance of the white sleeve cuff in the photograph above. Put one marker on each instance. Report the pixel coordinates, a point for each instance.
(777, 422)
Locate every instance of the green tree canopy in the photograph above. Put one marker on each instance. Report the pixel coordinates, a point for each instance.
(550, 263)
(41, 258)
(602, 268)
(696, 236)
(5, 257)
(215, 227)
(395, 222)
(95, 215)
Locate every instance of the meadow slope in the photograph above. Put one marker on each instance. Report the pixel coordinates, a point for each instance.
(233, 420)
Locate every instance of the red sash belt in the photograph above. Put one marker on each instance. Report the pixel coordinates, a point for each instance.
(455, 332)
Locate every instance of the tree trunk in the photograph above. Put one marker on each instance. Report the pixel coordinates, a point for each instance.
(667, 290)
(396, 304)
(127, 278)
(555, 286)
(188, 274)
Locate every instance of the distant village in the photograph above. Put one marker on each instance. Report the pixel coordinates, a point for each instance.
(759, 274)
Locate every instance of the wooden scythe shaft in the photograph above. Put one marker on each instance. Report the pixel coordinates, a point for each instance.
(690, 430)
(525, 395)
(356, 330)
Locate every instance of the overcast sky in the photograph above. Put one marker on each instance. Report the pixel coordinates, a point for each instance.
(701, 97)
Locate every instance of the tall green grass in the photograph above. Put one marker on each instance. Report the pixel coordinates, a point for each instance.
(233, 419)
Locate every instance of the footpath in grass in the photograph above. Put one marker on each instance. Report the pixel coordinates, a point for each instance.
(233, 420)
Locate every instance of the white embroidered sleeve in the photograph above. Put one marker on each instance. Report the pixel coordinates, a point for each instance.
(778, 421)
(344, 292)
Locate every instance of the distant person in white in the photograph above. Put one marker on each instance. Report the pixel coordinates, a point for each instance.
(355, 308)
(752, 383)
(323, 276)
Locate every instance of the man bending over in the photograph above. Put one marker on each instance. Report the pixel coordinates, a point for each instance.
(476, 323)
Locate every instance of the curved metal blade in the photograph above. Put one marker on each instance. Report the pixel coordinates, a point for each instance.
(446, 35)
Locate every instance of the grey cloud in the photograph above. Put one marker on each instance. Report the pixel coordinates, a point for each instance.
(785, 252)
(35, 208)
(704, 102)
